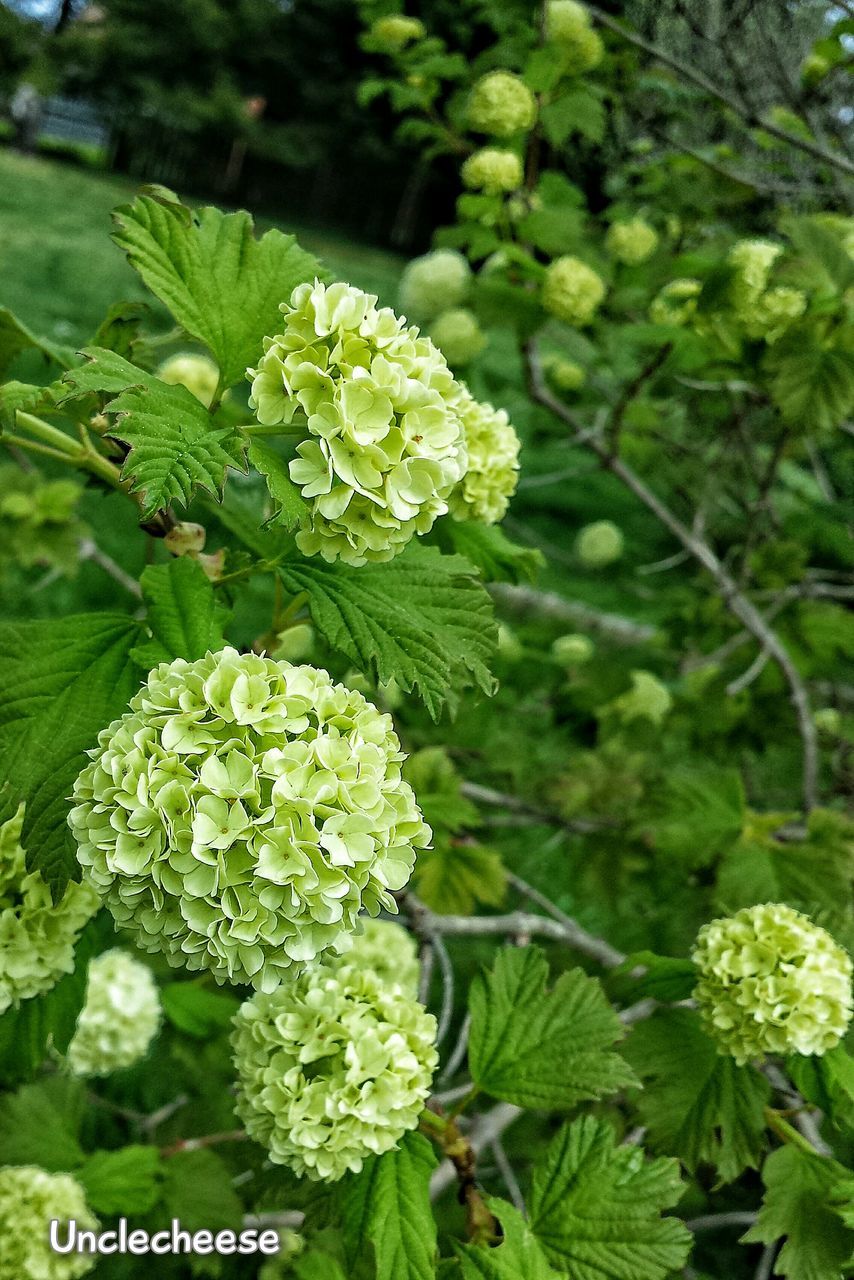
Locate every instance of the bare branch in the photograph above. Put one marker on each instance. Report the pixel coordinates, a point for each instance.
(720, 1221)
(552, 607)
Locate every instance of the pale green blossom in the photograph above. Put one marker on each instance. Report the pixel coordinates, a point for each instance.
(242, 812)
(772, 982)
(396, 31)
(333, 1066)
(197, 373)
(572, 291)
(458, 336)
(567, 25)
(631, 242)
(501, 104)
(493, 170)
(386, 948)
(120, 1015)
(30, 1198)
(433, 283)
(599, 544)
(485, 490)
(676, 302)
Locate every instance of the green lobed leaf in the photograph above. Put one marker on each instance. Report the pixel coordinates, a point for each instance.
(122, 1182)
(386, 1209)
(488, 548)
(197, 1189)
(643, 974)
(182, 613)
(596, 1207)
(455, 875)
(174, 443)
(517, 1257)
(221, 284)
(35, 1129)
(697, 1104)
(539, 1048)
(423, 619)
(24, 396)
(812, 384)
(828, 1082)
(824, 248)
(61, 682)
(291, 508)
(196, 1011)
(797, 1205)
(119, 331)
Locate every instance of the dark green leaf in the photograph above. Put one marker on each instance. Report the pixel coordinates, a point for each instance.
(489, 549)
(122, 1182)
(182, 613)
(196, 1011)
(386, 1208)
(291, 507)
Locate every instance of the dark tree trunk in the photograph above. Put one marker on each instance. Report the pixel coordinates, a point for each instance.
(66, 10)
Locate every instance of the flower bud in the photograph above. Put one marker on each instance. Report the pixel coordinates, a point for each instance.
(433, 283)
(572, 291)
(396, 31)
(197, 373)
(599, 544)
(676, 302)
(572, 650)
(458, 336)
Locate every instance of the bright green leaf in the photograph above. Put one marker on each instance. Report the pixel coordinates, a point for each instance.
(221, 284)
(197, 1189)
(796, 1205)
(539, 1048)
(182, 613)
(455, 875)
(125, 1181)
(386, 1208)
(596, 1207)
(517, 1257)
(291, 507)
(197, 1011)
(34, 1130)
(489, 549)
(15, 337)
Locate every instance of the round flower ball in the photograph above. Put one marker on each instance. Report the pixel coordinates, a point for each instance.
(568, 26)
(37, 939)
(332, 1067)
(30, 1199)
(572, 650)
(493, 170)
(564, 375)
(631, 242)
(433, 283)
(774, 312)
(396, 31)
(493, 447)
(387, 949)
(751, 261)
(647, 699)
(197, 373)
(458, 336)
(676, 302)
(772, 982)
(599, 544)
(120, 1016)
(501, 104)
(382, 446)
(243, 812)
(828, 720)
(572, 291)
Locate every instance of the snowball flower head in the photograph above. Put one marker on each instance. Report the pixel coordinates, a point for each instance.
(631, 242)
(572, 650)
(37, 939)
(568, 26)
(599, 544)
(648, 699)
(773, 312)
(243, 811)
(751, 261)
(396, 31)
(30, 1199)
(197, 373)
(493, 170)
(386, 948)
(572, 291)
(333, 1066)
(432, 283)
(501, 104)
(120, 1015)
(772, 981)
(493, 447)
(564, 375)
(458, 336)
(676, 302)
(383, 446)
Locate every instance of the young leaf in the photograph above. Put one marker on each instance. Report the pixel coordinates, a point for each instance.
(125, 1181)
(221, 284)
(539, 1048)
(799, 1188)
(453, 877)
(422, 619)
(182, 613)
(645, 974)
(518, 1256)
(386, 1208)
(195, 1011)
(174, 444)
(33, 1130)
(596, 1207)
(119, 330)
(61, 682)
(697, 1104)
(291, 507)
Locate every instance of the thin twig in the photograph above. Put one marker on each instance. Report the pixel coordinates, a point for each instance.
(554, 608)
(505, 1168)
(485, 1129)
(89, 550)
(458, 1052)
(720, 1221)
(501, 800)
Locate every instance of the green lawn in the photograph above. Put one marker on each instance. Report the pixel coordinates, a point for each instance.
(59, 270)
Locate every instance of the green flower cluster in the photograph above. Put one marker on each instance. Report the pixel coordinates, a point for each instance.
(458, 336)
(676, 302)
(120, 1015)
(568, 27)
(493, 170)
(631, 242)
(501, 104)
(648, 699)
(197, 373)
(386, 948)
(572, 291)
(38, 520)
(384, 446)
(37, 939)
(599, 544)
(333, 1066)
(765, 313)
(30, 1199)
(396, 31)
(772, 982)
(493, 447)
(243, 811)
(433, 283)
(572, 650)
(773, 312)
(563, 374)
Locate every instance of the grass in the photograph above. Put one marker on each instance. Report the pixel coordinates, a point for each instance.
(59, 270)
